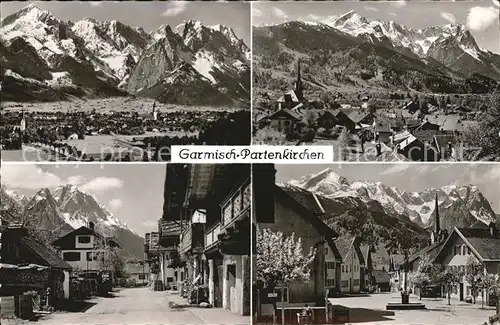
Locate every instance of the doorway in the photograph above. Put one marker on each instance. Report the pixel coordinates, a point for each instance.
(461, 286)
(231, 287)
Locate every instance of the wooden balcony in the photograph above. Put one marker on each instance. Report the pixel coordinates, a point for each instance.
(211, 236)
(192, 239)
(236, 206)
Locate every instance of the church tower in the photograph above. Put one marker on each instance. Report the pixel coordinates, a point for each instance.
(436, 234)
(299, 88)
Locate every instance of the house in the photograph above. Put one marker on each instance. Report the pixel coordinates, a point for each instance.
(212, 202)
(137, 272)
(344, 120)
(362, 118)
(445, 144)
(291, 210)
(352, 266)
(428, 126)
(86, 250)
(28, 264)
(383, 133)
(284, 120)
(326, 119)
(481, 244)
(411, 106)
(415, 149)
(381, 281)
(368, 251)
(380, 152)
(396, 272)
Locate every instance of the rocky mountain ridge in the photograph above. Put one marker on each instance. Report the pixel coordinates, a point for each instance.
(67, 208)
(109, 58)
(461, 206)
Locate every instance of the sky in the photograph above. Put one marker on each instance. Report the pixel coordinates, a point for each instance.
(480, 17)
(132, 192)
(147, 14)
(412, 177)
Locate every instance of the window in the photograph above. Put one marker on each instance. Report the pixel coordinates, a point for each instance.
(330, 265)
(142, 277)
(169, 279)
(237, 205)
(71, 256)
(463, 249)
(468, 250)
(345, 284)
(350, 268)
(356, 282)
(287, 123)
(326, 250)
(458, 250)
(330, 282)
(246, 196)
(84, 239)
(228, 213)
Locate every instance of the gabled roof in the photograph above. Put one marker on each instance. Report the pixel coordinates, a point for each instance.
(84, 231)
(381, 276)
(292, 93)
(50, 258)
(483, 245)
(310, 215)
(358, 116)
(430, 250)
(387, 155)
(290, 113)
(345, 244)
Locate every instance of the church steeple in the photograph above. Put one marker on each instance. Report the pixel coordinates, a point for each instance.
(437, 226)
(298, 84)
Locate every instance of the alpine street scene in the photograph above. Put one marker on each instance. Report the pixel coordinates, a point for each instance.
(122, 81)
(382, 244)
(125, 244)
(379, 80)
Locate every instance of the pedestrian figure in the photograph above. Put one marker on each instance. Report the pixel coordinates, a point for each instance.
(307, 311)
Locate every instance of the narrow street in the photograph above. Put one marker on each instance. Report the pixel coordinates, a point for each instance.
(141, 306)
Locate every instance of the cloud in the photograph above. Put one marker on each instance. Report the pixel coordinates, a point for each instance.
(396, 169)
(101, 184)
(95, 3)
(28, 177)
(449, 17)
(313, 17)
(115, 204)
(257, 13)
(398, 3)
(392, 14)
(75, 180)
(496, 2)
(368, 8)
(480, 18)
(279, 13)
(174, 8)
(150, 224)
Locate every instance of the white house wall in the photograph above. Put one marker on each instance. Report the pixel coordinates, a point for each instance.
(351, 273)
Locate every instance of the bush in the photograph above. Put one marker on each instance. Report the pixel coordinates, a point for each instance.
(131, 282)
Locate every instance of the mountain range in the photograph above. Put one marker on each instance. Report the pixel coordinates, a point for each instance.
(459, 206)
(46, 58)
(67, 208)
(350, 50)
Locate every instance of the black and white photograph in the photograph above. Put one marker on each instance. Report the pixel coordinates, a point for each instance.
(125, 244)
(376, 244)
(122, 80)
(379, 80)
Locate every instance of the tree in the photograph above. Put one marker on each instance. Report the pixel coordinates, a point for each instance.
(474, 275)
(449, 278)
(424, 274)
(281, 261)
(489, 284)
(486, 135)
(107, 255)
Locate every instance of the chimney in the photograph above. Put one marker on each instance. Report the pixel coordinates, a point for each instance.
(288, 101)
(493, 229)
(379, 149)
(91, 225)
